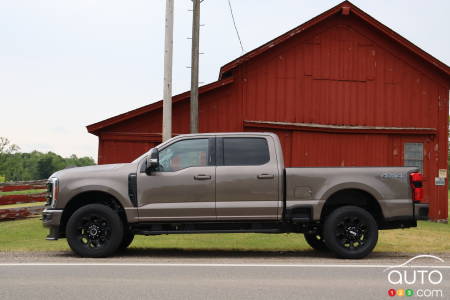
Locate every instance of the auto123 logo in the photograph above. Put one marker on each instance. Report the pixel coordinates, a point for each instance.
(408, 280)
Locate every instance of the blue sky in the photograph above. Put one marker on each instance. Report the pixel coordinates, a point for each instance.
(65, 64)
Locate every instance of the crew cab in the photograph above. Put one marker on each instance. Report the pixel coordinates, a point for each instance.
(229, 182)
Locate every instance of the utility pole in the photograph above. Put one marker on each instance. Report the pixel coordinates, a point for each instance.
(194, 65)
(167, 91)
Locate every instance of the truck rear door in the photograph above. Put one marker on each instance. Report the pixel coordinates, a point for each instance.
(247, 178)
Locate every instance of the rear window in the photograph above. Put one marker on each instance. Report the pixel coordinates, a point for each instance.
(245, 151)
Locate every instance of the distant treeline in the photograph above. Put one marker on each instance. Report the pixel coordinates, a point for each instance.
(18, 166)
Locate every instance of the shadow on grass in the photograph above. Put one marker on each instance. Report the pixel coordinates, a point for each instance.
(143, 253)
(228, 253)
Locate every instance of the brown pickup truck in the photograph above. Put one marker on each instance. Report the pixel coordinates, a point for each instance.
(229, 182)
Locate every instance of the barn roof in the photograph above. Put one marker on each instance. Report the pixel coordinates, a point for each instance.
(344, 8)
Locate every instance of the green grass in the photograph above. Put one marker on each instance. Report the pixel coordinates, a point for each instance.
(428, 237)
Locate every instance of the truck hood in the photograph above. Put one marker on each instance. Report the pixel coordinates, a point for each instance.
(89, 170)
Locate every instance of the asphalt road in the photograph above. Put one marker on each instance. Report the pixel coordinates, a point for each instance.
(200, 277)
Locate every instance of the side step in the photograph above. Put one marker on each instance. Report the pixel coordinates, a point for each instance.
(151, 228)
(157, 232)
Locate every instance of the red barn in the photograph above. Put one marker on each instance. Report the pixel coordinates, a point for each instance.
(339, 90)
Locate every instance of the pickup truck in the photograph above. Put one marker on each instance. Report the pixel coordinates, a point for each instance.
(229, 182)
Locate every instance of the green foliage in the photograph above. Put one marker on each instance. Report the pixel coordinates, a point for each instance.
(2, 178)
(17, 166)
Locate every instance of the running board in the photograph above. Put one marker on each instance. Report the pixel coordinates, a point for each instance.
(158, 232)
(153, 228)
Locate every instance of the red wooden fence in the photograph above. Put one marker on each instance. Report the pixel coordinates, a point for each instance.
(21, 212)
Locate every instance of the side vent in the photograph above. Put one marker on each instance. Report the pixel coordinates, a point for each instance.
(132, 188)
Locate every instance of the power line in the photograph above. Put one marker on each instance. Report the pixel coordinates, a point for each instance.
(235, 27)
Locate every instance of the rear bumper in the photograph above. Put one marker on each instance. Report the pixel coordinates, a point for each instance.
(421, 211)
(51, 219)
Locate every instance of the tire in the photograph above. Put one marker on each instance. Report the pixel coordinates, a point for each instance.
(127, 240)
(316, 241)
(94, 230)
(350, 232)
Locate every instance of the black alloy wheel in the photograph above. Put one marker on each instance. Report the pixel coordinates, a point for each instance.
(94, 230)
(350, 232)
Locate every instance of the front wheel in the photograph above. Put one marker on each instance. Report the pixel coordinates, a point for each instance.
(350, 232)
(94, 230)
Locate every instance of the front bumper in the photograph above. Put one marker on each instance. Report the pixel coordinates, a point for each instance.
(51, 218)
(421, 211)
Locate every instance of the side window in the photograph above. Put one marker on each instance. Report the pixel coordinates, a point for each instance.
(245, 151)
(413, 155)
(184, 154)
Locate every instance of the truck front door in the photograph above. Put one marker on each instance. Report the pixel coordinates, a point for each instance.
(183, 187)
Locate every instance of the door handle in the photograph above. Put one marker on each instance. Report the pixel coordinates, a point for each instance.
(265, 176)
(202, 177)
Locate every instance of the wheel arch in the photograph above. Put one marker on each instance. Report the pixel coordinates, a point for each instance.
(353, 196)
(90, 197)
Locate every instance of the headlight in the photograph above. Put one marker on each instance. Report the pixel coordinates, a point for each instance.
(52, 192)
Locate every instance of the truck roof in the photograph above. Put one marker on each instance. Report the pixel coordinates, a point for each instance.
(226, 133)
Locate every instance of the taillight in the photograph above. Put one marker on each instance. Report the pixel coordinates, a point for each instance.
(415, 180)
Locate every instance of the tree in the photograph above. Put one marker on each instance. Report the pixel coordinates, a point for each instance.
(6, 147)
(17, 166)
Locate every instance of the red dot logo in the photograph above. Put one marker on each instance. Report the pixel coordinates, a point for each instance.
(392, 292)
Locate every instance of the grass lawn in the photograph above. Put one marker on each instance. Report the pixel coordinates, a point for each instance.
(428, 237)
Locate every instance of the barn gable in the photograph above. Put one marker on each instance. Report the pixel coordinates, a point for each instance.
(350, 69)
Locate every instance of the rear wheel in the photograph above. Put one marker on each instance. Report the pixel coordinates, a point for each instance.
(350, 232)
(316, 241)
(94, 230)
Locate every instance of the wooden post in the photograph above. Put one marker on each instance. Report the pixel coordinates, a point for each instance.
(167, 90)
(194, 65)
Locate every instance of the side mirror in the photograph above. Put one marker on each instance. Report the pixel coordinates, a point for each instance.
(152, 161)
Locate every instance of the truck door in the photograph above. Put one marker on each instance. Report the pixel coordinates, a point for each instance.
(246, 178)
(183, 188)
